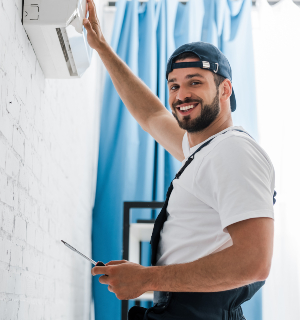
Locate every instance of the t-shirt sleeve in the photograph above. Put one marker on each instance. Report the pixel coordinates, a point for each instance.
(236, 180)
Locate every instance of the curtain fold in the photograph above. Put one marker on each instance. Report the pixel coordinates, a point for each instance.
(132, 166)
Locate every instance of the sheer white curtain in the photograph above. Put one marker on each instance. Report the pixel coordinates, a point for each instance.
(276, 37)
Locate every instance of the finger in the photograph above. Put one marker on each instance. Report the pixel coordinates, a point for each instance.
(104, 280)
(99, 270)
(92, 10)
(88, 26)
(114, 262)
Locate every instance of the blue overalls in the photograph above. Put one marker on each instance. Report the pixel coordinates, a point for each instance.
(222, 305)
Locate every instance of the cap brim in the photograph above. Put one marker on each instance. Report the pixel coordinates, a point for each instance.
(232, 101)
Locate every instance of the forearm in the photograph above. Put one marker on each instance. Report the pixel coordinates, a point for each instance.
(138, 98)
(224, 270)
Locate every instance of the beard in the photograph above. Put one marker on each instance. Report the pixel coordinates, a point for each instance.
(209, 113)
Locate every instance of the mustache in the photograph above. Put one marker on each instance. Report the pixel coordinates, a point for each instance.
(179, 102)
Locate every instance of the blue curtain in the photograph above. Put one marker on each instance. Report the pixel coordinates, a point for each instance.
(132, 166)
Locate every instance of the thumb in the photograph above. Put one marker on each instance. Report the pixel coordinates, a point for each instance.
(87, 24)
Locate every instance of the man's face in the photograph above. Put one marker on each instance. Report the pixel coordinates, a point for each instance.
(193, 97)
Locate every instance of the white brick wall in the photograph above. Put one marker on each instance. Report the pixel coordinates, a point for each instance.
(49, 135)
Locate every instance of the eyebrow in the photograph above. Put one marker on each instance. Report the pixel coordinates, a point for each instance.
(189, 76)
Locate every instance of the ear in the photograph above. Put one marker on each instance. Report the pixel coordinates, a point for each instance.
(225, 90)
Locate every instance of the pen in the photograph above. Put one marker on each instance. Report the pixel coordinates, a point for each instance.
(92, 261)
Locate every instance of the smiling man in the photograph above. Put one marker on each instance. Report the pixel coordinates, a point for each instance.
(196, 115)
(212, 242)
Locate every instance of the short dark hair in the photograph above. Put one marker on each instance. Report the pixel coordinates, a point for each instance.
(217, 78)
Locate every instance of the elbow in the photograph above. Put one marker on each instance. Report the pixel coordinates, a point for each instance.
(262, 271)
(144, 123)
(144, 126)
(263, 275)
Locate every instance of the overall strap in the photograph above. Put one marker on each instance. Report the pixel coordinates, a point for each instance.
(162, 217)
(191, 158)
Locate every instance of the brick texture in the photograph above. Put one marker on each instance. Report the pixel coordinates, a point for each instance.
(49, 136)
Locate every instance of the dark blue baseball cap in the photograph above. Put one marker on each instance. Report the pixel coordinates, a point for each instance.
(211, 58)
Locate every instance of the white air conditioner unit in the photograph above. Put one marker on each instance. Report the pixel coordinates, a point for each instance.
(56, 32)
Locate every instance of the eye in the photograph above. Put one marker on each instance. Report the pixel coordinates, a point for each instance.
(171, 88)
(197, 82)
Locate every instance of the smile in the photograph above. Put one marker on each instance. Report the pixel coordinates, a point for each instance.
(186, 109)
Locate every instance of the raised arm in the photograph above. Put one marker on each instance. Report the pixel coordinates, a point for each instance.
(144, 106)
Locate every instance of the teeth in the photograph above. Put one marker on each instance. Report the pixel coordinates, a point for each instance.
(187, 107)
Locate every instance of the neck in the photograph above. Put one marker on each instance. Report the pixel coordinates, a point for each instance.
(216, 127)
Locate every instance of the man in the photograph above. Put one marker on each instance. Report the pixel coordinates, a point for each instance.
(212, 243)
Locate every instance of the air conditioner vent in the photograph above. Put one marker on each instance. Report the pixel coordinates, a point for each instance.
(66, 49)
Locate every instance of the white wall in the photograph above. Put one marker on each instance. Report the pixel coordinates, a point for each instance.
(276, 32)
(49, 135)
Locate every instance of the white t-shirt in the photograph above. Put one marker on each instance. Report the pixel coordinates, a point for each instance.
(230, 180)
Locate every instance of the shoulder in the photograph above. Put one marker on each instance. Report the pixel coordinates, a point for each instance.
(234, 155)
(235, 175)
(237, 148)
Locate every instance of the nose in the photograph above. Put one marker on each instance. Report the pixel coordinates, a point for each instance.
(183, 93)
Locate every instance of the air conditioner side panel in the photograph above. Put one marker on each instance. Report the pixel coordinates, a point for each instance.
(48, 50)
